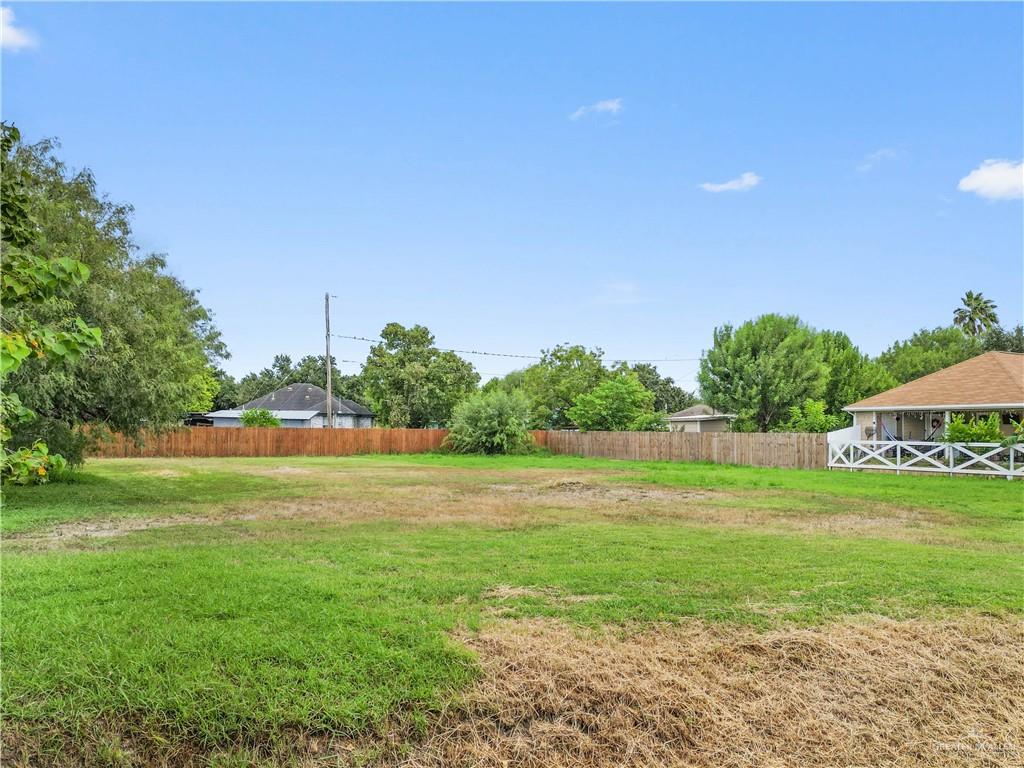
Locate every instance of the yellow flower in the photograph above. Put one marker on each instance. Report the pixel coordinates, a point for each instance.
(42, 470)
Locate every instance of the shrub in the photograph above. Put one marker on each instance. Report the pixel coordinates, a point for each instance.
(617, 404)
(810, 417)
(259, 417)
(959, 430)
(490, 422)
(32, 465)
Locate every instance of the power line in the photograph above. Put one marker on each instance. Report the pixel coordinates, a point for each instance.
(531, 357)
(442, 349)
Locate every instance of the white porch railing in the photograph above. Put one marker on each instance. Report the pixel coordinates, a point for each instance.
(916, 456)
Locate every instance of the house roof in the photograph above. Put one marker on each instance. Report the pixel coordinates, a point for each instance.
(991, 380)
(305, 397)
(700, 412)
(235, 413)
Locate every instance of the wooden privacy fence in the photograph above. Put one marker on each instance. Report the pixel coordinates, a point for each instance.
(758, 449)
(807, 451)
(270, 441)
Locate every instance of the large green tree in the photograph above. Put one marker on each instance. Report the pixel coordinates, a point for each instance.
(762, 369)
(668, 396)
(619, 403)
(852, 375)
(410, 382)
(998, 339)
(159, 341)
(927, 351)
(39, 328)
(976, 314)
(552, 385)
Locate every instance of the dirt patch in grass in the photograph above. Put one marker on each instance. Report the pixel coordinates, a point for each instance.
(69, 533)
(878, 692)
(571, 491)
(528, 500)
(163, 473)
(275, 471)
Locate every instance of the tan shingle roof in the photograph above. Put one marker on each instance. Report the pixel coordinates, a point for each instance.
(994, 378)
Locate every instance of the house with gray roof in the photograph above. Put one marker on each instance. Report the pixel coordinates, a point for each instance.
(302, 406)
(700, 418)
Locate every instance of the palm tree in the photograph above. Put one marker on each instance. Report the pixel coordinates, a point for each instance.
(976, 315)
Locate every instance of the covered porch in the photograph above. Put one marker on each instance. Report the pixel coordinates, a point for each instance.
(922, 425)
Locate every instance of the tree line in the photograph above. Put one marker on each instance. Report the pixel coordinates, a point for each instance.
(774, 373)
(94, 332)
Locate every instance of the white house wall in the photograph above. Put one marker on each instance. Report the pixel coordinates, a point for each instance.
(341, 421)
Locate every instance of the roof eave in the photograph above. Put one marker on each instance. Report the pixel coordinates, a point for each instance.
(943, 407)
(705, 417)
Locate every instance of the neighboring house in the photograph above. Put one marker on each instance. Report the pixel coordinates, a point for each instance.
(299, 406)
(920, 409)
(700, 418)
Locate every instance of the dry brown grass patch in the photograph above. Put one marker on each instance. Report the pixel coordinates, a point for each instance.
(437, 497)
(865, 693)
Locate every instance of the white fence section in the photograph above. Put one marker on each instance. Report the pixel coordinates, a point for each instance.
(912, 456)
(844, 435)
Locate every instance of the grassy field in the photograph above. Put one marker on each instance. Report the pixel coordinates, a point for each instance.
(425, 610)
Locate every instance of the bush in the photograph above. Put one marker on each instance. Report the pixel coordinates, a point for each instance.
(32, 465)
(621, 403)
(259, 417)
(490, 422)
(59, 438)
(959, 430)
(810, 417)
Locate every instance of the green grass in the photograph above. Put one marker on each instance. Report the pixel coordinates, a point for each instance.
(244, 630)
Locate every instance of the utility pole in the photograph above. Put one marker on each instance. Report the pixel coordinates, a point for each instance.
(330, 392)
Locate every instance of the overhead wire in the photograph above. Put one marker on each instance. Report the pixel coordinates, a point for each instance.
(526, 357)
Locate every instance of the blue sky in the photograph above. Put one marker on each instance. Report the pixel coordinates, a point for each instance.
(514, 176)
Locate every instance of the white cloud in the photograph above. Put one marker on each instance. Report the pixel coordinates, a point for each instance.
(995, 180)
(608, 106)
(620, 293)
(13, 38)
(871, 160)
(742, 183)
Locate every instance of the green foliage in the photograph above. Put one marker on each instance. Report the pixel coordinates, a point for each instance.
(59, 438)
(552, 385)
(158, 340)
(852, 375)
(490, 422)
(1018, 434)
(204, 386)
(927, 351)
(762, 369)
(510, 382)
(619, 403)
(998, 339)
(37, 322)
(987, 430)
(668, 397)
(259, 417)
(32, 465)
(227, 395)
(811, 416)
(282, 372)
(410, 382)
(976, 315)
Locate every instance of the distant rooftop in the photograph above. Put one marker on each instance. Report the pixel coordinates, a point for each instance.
(700, 412)
(236, 413)
(305, 397)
